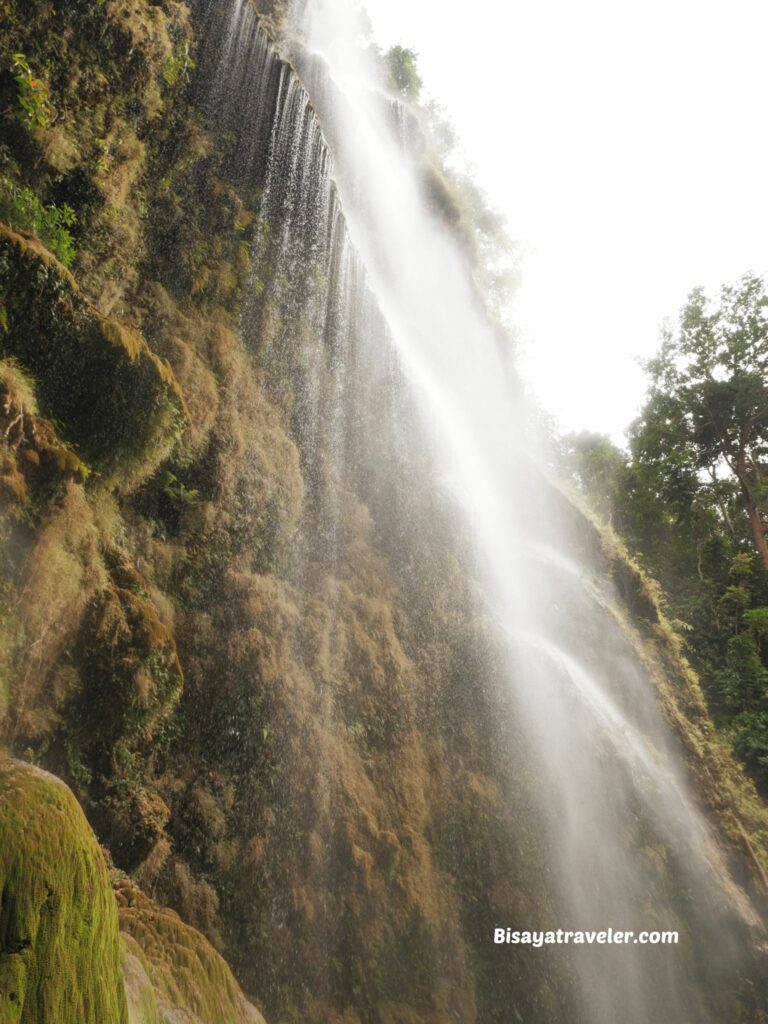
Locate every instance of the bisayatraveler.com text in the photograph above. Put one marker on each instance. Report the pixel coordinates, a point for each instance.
(609, 937)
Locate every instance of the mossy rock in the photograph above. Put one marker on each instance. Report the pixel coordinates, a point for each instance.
(142, 1001)
(192, 984)
(116, 401)
(59, 943)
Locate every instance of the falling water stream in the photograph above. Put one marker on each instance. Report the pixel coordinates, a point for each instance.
(628, 847)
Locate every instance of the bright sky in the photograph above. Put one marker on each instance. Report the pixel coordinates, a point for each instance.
(627, 144)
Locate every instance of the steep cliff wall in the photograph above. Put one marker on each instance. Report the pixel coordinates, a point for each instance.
(237, 618)
(294, 796)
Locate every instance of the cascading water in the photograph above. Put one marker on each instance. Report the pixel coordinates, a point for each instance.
(364, 273)
(609, 767)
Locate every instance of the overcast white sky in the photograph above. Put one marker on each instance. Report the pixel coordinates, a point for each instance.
(627, 143)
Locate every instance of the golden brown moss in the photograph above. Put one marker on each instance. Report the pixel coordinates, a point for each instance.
(190, 980)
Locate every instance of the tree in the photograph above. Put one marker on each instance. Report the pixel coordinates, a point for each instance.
(403, 72)
(601, 470)
(704, 431)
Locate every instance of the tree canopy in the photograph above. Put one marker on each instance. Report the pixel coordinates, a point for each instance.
(403, 71)
(705, 427)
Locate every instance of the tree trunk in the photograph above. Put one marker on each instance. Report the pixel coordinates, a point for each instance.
(758, 530)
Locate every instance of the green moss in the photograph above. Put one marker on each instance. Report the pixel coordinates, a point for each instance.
(59, 947)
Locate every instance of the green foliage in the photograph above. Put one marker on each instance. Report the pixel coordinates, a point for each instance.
(35, 107)
(403, 72)
(703, 436)
(689, 498)
(600, 466)
(741, 566)
(177, 492)
(178, 67)
(757, 621)
(22, 210)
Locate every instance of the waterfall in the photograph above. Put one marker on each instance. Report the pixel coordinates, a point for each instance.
(360, 272)
(609, 771)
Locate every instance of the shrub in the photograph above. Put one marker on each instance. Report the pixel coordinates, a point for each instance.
(34, 100)
(22, 210)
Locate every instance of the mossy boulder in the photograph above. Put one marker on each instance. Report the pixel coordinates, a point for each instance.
(190, 983)
(59, 944)
(116, 401)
